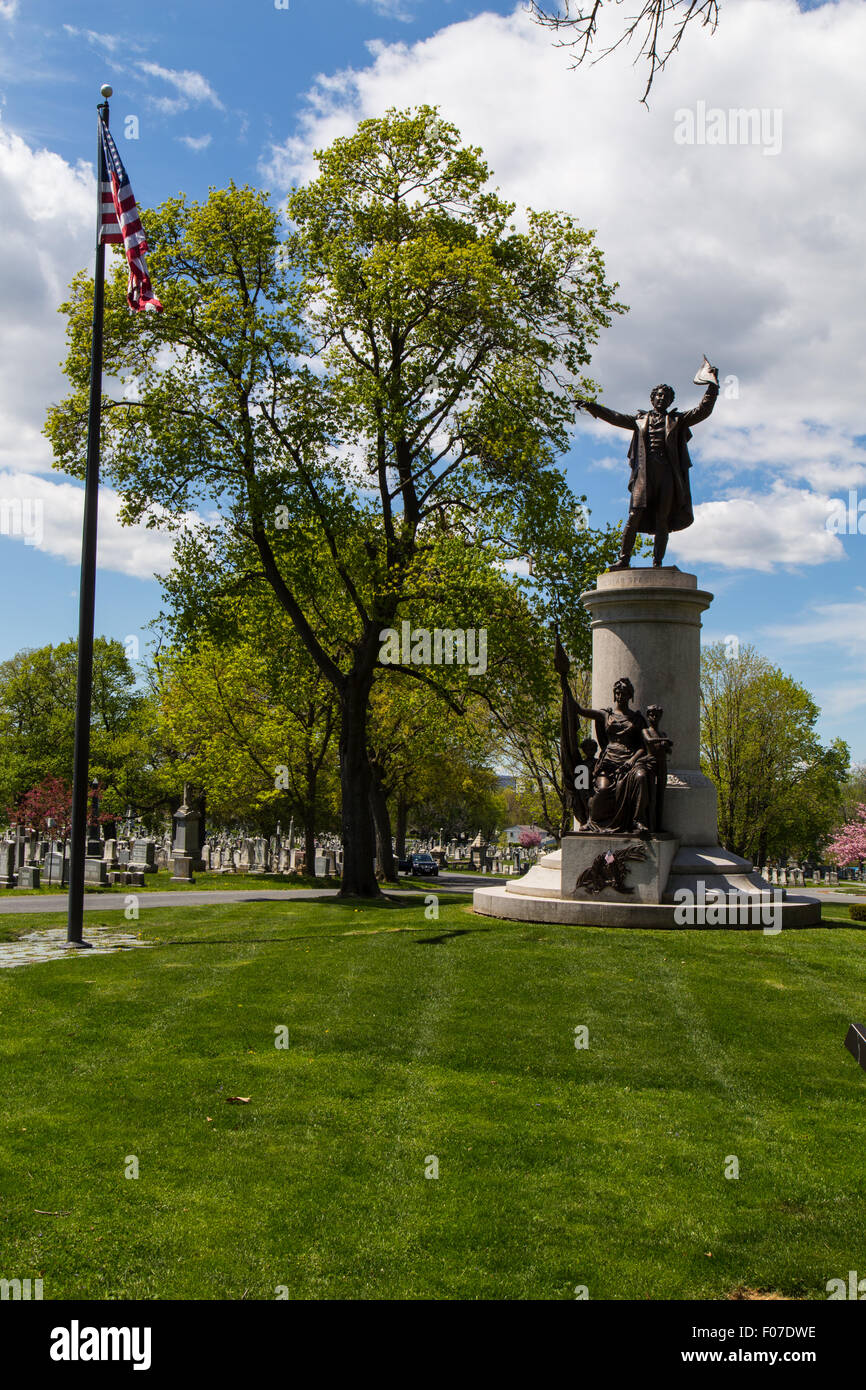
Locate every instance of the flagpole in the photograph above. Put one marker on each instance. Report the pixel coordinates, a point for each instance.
(87, 586)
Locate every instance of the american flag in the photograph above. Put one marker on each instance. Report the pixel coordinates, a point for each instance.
(120, 223)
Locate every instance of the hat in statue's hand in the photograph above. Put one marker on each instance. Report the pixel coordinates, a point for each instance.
(707, 375)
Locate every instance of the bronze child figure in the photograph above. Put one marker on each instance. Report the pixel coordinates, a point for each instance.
(658, 747)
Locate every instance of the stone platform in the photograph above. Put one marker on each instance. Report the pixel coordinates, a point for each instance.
(537, 897)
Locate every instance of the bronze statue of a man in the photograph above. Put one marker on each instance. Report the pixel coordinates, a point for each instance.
(661, 499)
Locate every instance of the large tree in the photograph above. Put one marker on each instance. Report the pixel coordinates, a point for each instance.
(37, 724)
(424, 752)
(779, 787)
(402, 364)
(253, 723)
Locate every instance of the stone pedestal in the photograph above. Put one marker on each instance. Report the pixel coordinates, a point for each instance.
(645, 879)
(646, 625)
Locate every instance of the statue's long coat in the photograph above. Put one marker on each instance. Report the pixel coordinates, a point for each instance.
(677, 435)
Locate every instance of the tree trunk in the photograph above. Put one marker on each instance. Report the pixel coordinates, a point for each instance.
(310, 817)
(359, 841)
(402, 822)
(385, 865)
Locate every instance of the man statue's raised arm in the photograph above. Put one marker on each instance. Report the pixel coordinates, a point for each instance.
(700, 412)
(612, 417)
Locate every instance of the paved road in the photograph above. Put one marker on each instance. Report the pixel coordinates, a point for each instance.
(829, 895)
(191, 897)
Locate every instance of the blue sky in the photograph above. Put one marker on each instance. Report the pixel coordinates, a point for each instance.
(741, 241)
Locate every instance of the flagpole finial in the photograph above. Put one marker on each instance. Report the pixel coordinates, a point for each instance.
(106, 91)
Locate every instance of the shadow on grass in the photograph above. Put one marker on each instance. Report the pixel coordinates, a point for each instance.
(385, 903)
(446, 936)
(322, 936)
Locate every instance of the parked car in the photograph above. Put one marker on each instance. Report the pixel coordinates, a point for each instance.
(420, 864)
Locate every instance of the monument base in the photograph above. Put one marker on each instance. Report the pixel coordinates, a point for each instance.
(722, 891)
(646, 626)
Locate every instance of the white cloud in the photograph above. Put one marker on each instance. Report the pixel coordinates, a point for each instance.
(755, 259)
(840, 625)
(109, 42)
(833, 634)
(47, 219)
(192, 88)
(51, 513)
(785, 528)
(611, 463)
(841, 701)
(196, 143)
(8, 9)
(392, 9)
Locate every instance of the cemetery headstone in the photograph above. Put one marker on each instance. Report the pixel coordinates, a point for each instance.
(187, 832)
(143, 857)
(324, 865)
(94, 870)
(181, 868)
(7, 863)
(56, 868)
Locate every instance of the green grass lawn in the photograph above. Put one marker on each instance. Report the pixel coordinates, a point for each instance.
(161, 882)
(410, 1038)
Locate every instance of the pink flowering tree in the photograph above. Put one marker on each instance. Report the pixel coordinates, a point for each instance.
(51, 799)
(530, 839)
(849, 844)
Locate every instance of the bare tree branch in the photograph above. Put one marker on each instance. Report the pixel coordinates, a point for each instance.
(579, 19)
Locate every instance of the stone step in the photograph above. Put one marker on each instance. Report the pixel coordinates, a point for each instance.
(709, 859)
(541, 881)
(497, 902)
